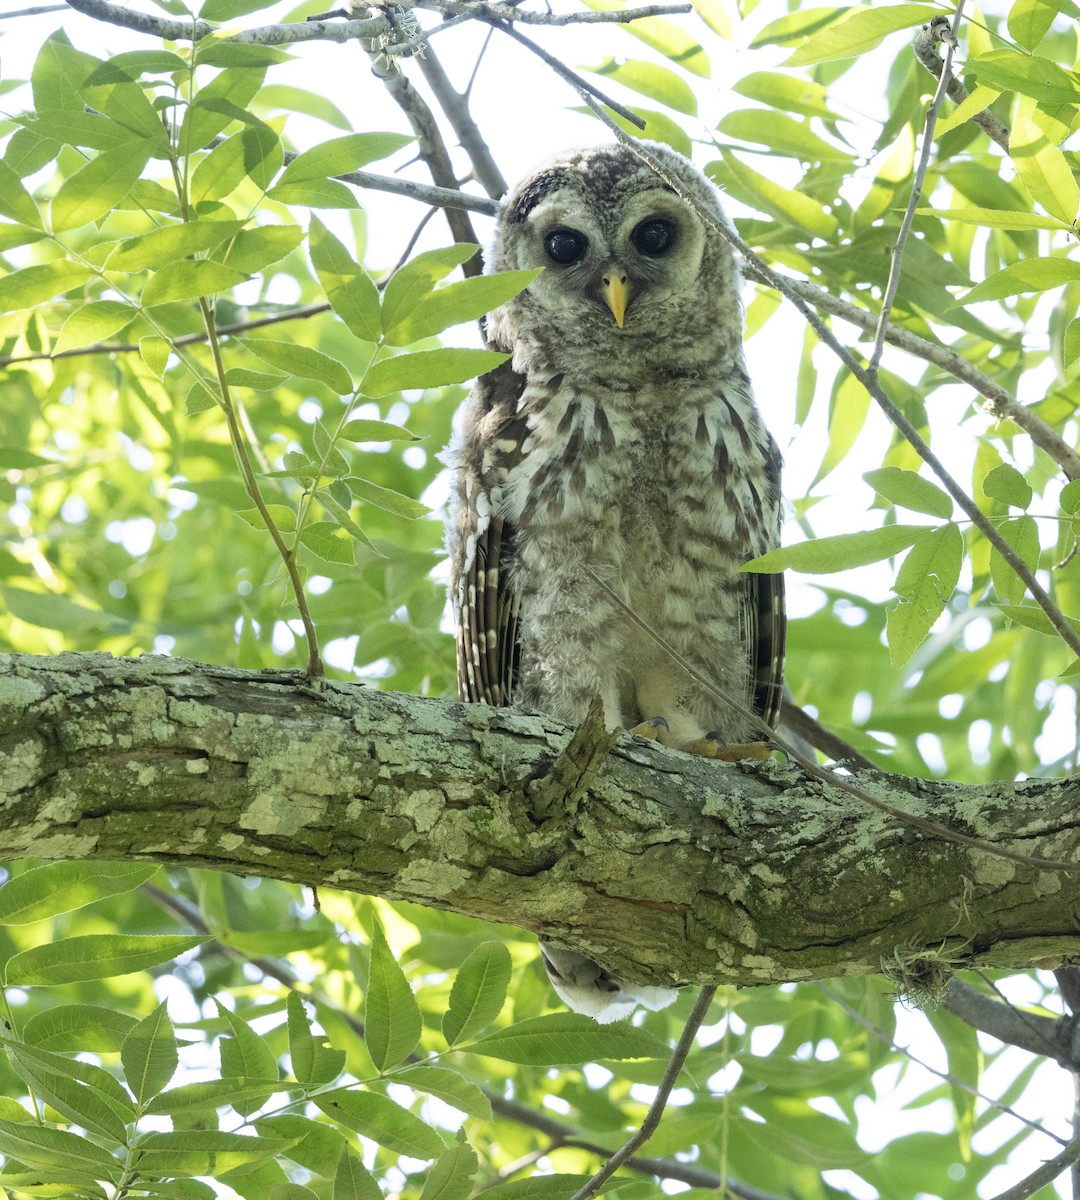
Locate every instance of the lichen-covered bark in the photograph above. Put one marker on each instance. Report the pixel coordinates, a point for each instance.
(663, 866)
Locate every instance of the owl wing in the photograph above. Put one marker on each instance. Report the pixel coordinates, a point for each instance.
(766, 620)
(485, 599)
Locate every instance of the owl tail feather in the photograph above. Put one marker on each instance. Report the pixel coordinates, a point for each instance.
(587, 988)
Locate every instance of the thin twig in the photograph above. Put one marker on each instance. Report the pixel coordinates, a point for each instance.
(803, 725)
(931, 828)
(399, 49)
(33, 12)
(1043, 1175)
(925, 47)
(946, 34)
(663, 1092)
(767, 275)
(1001, 405)
(581, 85)
(456, 109)
(955, 1080)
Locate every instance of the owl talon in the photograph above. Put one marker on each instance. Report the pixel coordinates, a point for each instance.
(655, 729)
(710, 746)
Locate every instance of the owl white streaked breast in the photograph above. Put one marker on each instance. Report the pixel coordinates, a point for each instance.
(622, 441)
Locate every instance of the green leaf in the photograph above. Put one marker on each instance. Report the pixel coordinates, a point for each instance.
(39, 1146)
(658, 83)
(1028, 74)
(479, 991)
(202, 1152)
(546, 1187)
(342, 516)
(61, 887)
(1070, 348)
(782, 134)
(376, 431)
(1030, 20)
(15, 201)
(1022, 534)
(50, 611)
(379, 1118)
(452, 1175)
(909, 490)
(282, 515)
(353, 1181)
(96, 189)
(1043, 169)
(254, 250)
(169, 244)
(341, 155)
(466, 300)
(329, 540)
(35, 285)
(786, 91)
(212, 1094)
(994, 218)
(428, 369)
(217, 104)
(762, 193)
(392, 1017)
(314, 193)
(924, 583)
(1005, 483)
(314, 1062)
(92, 323)
(666, 37)
(386, 499)
(1070, 497)
(53, 1078)
(796, 26)
(448, 1086)
(95, 956)
(302, 361)
(1032, 617)
(190, 280)
(252, 153)
(411, 283)
(860, 30)
(848, 410)
(565, 1039)
(1028, 275)
(149, 1055)
(349, 288)
(83, 1027)
(822, 556)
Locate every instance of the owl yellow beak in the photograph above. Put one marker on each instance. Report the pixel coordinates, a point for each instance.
(615, 295)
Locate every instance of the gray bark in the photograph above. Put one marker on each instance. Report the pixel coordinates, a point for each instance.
(664, 867)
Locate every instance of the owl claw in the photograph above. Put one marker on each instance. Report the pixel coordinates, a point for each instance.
(655, 729)
(711, 746)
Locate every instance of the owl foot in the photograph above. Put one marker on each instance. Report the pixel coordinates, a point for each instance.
(655, 729)
(710, 746)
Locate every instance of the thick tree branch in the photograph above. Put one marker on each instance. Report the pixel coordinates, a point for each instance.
(668, 869)
(1052, 1037)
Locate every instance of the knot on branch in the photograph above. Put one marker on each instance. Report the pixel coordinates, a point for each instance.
(569, 776)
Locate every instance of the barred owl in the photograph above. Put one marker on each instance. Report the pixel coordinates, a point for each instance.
(621, 440)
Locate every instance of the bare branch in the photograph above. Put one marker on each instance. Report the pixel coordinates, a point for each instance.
(946, 34)
(1051, 1037)
(195, 31)
(1043, 1175)
(507, 12)
(456, 108)
(33, 12)
(925, 47)
(799, 722)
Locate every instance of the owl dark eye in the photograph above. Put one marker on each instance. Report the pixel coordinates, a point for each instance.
(653, 237)
(565, 246)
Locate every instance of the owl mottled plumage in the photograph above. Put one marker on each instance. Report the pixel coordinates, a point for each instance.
(621, 437)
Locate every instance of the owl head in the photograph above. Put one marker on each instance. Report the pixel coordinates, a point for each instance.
(636, 279)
